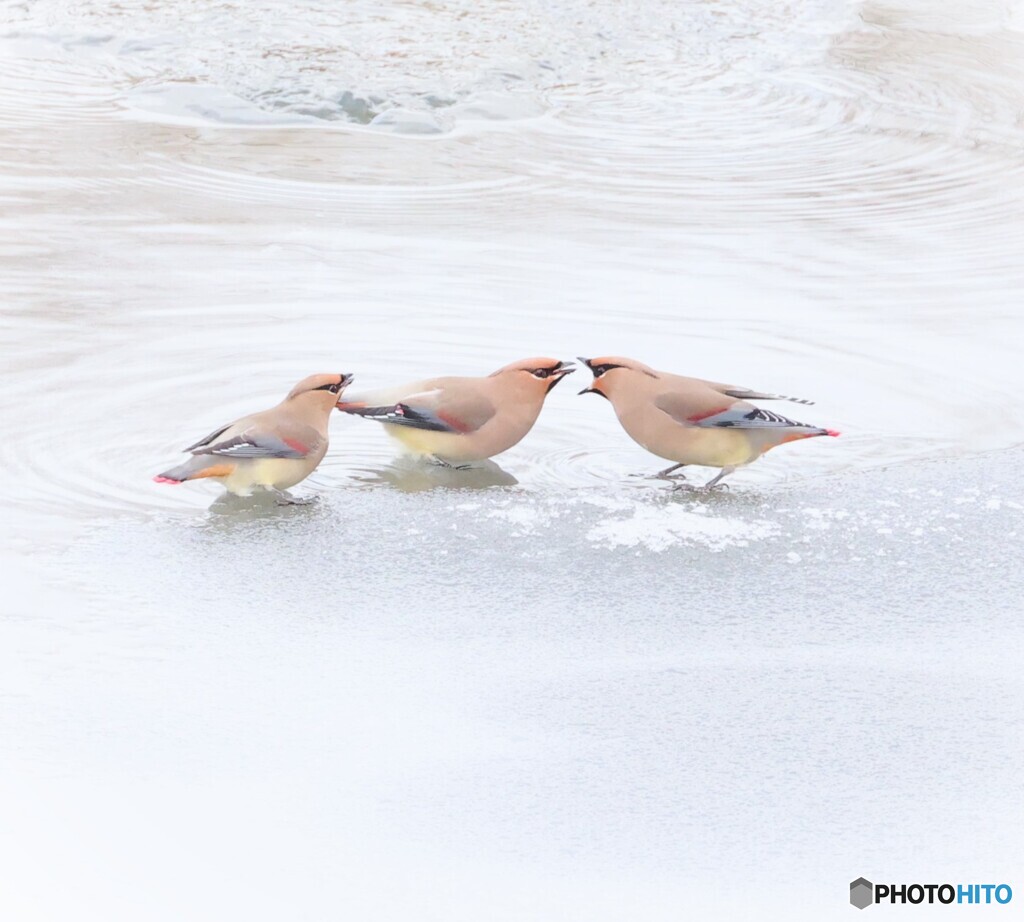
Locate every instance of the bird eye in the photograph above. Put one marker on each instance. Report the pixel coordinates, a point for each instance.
(541, 373)
(333, 388)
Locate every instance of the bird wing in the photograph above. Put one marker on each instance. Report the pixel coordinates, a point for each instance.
(438, 409)
(688, 411)
(745, 393)
(207, 440)
(298, 442)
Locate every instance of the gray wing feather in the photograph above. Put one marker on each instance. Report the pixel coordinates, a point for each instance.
(248, 445)
(436, 407)
(748, 417)
(402, 414)
(209, 438)
(745, 393)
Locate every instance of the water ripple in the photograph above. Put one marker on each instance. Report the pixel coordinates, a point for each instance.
(817, 197)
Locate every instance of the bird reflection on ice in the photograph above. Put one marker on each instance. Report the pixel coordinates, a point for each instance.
(413, 475)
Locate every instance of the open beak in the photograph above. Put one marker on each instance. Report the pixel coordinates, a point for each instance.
(346, 380)
(585, 363)
(563, 369)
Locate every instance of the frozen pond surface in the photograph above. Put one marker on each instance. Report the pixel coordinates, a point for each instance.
(513, 704)
(549, 689)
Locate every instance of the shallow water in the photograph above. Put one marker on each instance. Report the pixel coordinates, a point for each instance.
(545, 688)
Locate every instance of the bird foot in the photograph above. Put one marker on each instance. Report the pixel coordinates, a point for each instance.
(687, 487)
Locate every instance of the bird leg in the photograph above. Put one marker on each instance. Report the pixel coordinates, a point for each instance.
(712, 484)
(666, 474)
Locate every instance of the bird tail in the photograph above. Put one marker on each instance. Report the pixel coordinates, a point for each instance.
(804, 432)
(194, 469)
(379, 413)
(356, 408)
(401, 414)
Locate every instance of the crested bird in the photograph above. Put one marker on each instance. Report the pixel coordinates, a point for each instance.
(271, 450)
(692, 421)
(455, 420)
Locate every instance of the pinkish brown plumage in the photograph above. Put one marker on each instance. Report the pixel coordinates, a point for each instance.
(692, 421)
(274, 449)
(459, 420)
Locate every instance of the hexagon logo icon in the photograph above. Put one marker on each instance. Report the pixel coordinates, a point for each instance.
(861, 893)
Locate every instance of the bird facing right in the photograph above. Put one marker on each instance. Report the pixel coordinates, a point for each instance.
(456, 420)
(692, 421)
(271, 450)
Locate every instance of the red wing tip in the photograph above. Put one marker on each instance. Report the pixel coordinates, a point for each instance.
(161, 479)
(453, 422)
(835, 433)
(707, 415)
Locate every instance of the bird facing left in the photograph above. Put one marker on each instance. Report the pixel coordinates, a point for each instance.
(270, 450)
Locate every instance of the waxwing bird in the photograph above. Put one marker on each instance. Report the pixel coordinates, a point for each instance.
(456, 421)
(691, 421)
(271, 450)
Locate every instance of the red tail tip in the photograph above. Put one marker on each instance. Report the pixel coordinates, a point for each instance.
(833, 432)
(161, 479)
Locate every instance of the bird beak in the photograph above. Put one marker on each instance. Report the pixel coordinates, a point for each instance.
(346, 380)
(563, 369)
(588, 390)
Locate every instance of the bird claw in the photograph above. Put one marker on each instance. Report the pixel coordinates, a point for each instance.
(687, 487)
